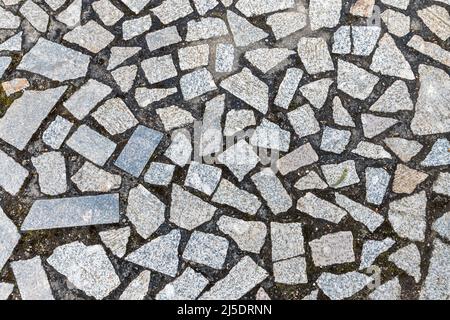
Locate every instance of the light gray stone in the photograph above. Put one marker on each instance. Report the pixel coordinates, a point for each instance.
(342, 286)
(56, 132)
(145, 97)
(125, 77)
(91, 178)
(315, 55)
(408, 259)
(193, 57)
(206, 28)
(238, 120)
(437, 19)
(5, 290)
(51, 170)
(138, 288)
(115, 116)
(162, 38)
(334, 140)
(269, 135)
(121, 54)
(240, 159)
(203, 6)
(371, 150)
(252, 8)
(439, 155)
(9, 237)
(303, 156)
(404, 149)
(71, 15)
(310, 181)
(211, 138)
(174, 117)
(244, 33)
(303, 121)
(437, 282)
(107, 12)
(288, 87)
(272, 190)
(442, 184)
(430, 49)
(355, 81)
(266, 59)
(206, 249)
(442, 225)
(187, 286)
(395, 98)
(375, 125)
(340, 115)
(286, 23)
(377, 182)
(203, 177)
(388, 291)
(136, 5)
(116, 240)
(35, 15)
(197, 83)
(291, 271)
(8, 20)
(317, 92)
(180, 149)
(372, 249)
(90, 36)
(324, 13)
(342, 43)
(397, 23)
(31, 279)
(341, 175)
(12, 174)
(287, 240)
(224, 57)
(333, 248)
(364, 39)
(230, 195)
(171, 10)
(320, 209)
(159, 174)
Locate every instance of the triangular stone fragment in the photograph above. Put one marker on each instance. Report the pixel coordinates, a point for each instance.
(395, 98)
(439, 155)
(406, 179)
(266, 59)
(404, 149)
(116, 240)
(311, 181)
(120, 54)
(340, 114)
(71, 16)
(355, 81)
(13, 43)
(125, 76)
(408, 259)
(374, 125)
(389, 60)
(317, 92)
(244, 33)
(433, 103)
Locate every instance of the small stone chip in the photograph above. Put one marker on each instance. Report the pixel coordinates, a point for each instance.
(138, 288)
(304, 121)
(90, 36)
(341, 175)
(372, 249)
(12, 174)
(158, 69)
(408, 259)
(56, 132)
(288, 87)
(230, 195)
(240, 159)
(315, 55)
(203, 177)
(272, 190)
(377, 182)
(334, 140)
(303, 156)
(406, 179)
(159, 174)
(197, 83)
(115, 116)
(291, 271)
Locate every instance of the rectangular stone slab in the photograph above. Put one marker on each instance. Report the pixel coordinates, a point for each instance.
(72, 212)
(138, 150)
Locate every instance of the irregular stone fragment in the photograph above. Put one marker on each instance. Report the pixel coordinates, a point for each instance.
(341, 286)
(187, 286)
(90, 178)
(372, 249)
(145, 211)
(55, 61)
(86, 267)
(315, 55)
(303, 156)
(211, 138)
(206, 28)
(86, 98)
(138, 151)
(91, 145)
(432, 107)
(389, 60)
(362, 8)
(312, 296)
(174, 117)
(116, 240)
(107, 12)
(269, 135)
(437, 282)
(262, 295)
(8, 20)
(437, 19)
(197, 83)
(207, 249)
(395, 98)
(4, 64)
(406, 179)
(340, 175)
(249, 235)
(310, 181)
(26, 114)
(115, 116)
(430, 49)
(442, 225)
(135, 27)
(320, 209)
(371, 150)
(180, 149)
(291, 271)
(12, 174)
(138, 288)
(162, 38)
(244, 33)
(252, 8)
(13, 43)
(377, 182)
(355, 81)
(51, 170)
(224, 57)
(31, 279)
(158, 69)
(15, 85)
(250, 89)
(120, 55)
(159, 174)
(171, 10)
(304, 121)
(371, 219)
(408, 259)
(230, 195)
(272, 190)
(90, 36)
(397, 23)
(266, 59)
(160, 254)
(240, 159)
(125, 76)
(374, 125)
(364, 39)
(407, 216)
(333, 248)
(136, 5)
(404, 149)
(317, 92)
(388, 291)
(193, 57)
(401, 4)
(71, 16)
(37, 17)
(242, 278)
(439, 155)
(72, 212)
(187, 210)
(203, 6)
(285, 23)
(5, 290)
(442, 184)
(203, 177)
(288, 87)
(145, 97)
(334, 140)
(9, 237)
(340, 114)
(287, 240)
(238, 120)
(324, 13)
(342, 42)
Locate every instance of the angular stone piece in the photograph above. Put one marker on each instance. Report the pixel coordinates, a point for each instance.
(377, 182)
(266, 59)
(159, 174)
(138, 288)
(406, 179)
(12, 174)
(158, 69)
(333, 248)
(206, 28)
(388, 291)
(9, 237)
(408, 259)
(341, 175)
(341, 286)
(286, 23)
(171, 10)
(374, 125)
(439, 155)
(372, 249)
(269, 135)
(116, 240)
(230, 195)
(90, 36)
(324, 13)
(395, 98)
(303, 121)
(180, 149)
(187, 286)
(334, 140)
(197, 83)
(115, 116)
(404, 149)
(320, 209)
(162, 38)
(437, 19)
(31, 279)
(244, 33)
(91, 178)
(51, 169)
(442, 184)
(303, 156)
(315, 55)
(207, 249)
(437, 282)
(291, 271)
(317, 92)
(287, 240)
(355, 81)
(203, 177)
(310, 181)
(240, 159)
(288, 87)
(252, 8)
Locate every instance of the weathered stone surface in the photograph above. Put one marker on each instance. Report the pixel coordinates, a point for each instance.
(162, 38)
(408, 259)
(9, 237)
(341, 175)
(437, 19)
(377, 182)
(115, 116)
(269, 135)
(197, 83)
(172, 10)
(206, 28)
(240, 159)
(315, 55)
(287, 240)
(138, 288)
(291, 271)
(72, 212)
(442, 184)
(439, 155)
(404, 149)
(159, 174)
(437, 282)
(320, 209)
(304, 121)
(331, 249)
(206, 249)
(244, 33)
(338, 287)
(90, 36)
(229, 194)
(355, 81)
(288, 87)
(430, 49)
(116, 240)
(187, 286)
(92, 178)
(302, 156)
(31, 279)
(51, 169)
(442, 225)
(272, 190)
(12, 174)
(372, 249)
(406, 179)
(388, 291)
(324, 13)
(258, 7)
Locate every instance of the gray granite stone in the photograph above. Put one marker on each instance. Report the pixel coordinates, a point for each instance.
(12, 174)
(372, 249)
(116, 240)
(51, 170)
(206, 28)
(91, 178)
(291, 271)
(439, 155)
(230, 195)
(288, 87)
(377, 182)
(240, 159)
(437, 283)
(408, 259)
(56, 132)
(304, 121)
(9, 237)
(135, 27)
(206, 249)
(342, 286)
(404, 149)
(244, 33)
(333, 248)
(171, 10)
(90, 36)
(158, 69)
(115, 116)
(203, 177)
(138, 288)
(159, 174)
(315, 55)
(180, 150)
(287, 240)
(187, 286)
(197, 83)
(442, 184)
(334, 140)
(303, 156)
(320, 209)
(272, 190)
(388, 291)
(32, 279)
(442, 225)
(341, 175)
(252, 8)
(162, 38)
(355, 81)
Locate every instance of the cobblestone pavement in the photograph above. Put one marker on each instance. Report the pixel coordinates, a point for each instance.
(232, 149)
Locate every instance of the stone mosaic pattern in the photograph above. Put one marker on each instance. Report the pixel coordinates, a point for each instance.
(224, 149)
